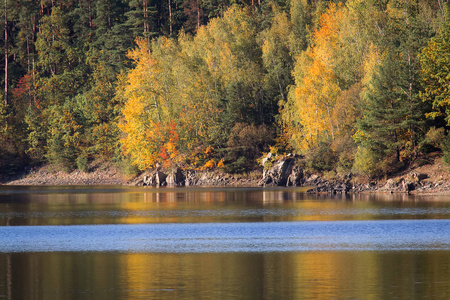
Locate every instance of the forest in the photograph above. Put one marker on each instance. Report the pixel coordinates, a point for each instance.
(357, 86)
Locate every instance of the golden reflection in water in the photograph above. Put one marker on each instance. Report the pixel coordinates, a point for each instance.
(308, 275)
(151, 205)
(195, 276)
(323, 275)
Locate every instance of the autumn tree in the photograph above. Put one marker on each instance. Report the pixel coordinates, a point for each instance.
(147, 110)
(317, 85)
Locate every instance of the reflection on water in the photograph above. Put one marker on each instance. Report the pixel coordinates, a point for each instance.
(125, 205)
(309, 275)
(381, 267)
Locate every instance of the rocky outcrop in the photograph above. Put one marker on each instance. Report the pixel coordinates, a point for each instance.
(178, 177)
(281, 172)
(405, 184)
(156, 178)
(296, 177)
(175, 178)
(321, 185)
(287, 171)
(190, 179)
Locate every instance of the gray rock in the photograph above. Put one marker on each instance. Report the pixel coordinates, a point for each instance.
(408, 186)
(417, 177)
(149, 180)
(279, 173)
(175, 178)
(391, 184)
(190, 179)
(160, 178)
(296, 176)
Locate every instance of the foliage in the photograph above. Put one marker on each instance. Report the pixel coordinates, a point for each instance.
(353, 85)
(245, 145)
(82, 163)
(321, 158)
(435, 137)
(435, 62)
(446, 149)
(368, 163)
(323, 73)
(393, 115)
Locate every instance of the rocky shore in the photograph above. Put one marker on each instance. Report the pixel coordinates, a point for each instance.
(433, 177)
(430, 177)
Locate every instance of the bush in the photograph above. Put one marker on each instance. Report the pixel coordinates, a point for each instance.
(126, 166)
(322, 158)
(368, 163)
(445, 145)
(236, 167)
(249, 140)
(82, 163)
(435, 137)
(345, 149)
(245, 145)
(61, 157)
(432, 141)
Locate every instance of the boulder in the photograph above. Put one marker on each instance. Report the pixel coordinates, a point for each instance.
(160, 178)
(416, 177)
(296, 176)
(278, 173)
(175, 178)
(149, 180)
(156, 178)
(190, 179)
(408, 186)
(391, 184)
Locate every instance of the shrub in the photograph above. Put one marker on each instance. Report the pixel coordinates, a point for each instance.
(345, 150)
(82, 163)
(321, 158)
(127, 168)
(238, 166)
(445, 145)
(245, 145)
(367, 163)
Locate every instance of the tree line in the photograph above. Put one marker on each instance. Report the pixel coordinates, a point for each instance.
(355, 86)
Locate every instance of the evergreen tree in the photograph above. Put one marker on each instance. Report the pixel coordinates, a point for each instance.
(435, 65)
(140, 19)
(385, 111)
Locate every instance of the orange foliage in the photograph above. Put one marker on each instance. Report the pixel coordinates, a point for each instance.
(210, 164)
(24, 85)
(314, 96)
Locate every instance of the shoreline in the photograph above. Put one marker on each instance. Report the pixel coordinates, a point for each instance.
(412, 182)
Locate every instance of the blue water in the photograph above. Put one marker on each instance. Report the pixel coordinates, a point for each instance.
(392, 235)
(118, 243)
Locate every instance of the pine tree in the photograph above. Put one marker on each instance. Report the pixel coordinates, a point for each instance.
(435, 65)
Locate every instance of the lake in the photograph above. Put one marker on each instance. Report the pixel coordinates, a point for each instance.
(108, 242)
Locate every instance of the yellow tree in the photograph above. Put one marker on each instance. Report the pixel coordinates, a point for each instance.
(150, 134)
(317, 87)
(328, 77)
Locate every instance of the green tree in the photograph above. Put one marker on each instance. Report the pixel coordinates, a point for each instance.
(435, 65)
(140, 18)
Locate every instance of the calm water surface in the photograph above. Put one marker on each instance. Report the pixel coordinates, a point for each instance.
(220, 243)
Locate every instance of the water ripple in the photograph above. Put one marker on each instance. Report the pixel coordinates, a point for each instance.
(388, 235)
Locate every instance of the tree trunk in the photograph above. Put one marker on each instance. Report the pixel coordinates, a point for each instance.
(6, 53)
(170, 18)
(146, 25)
(198, 15)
